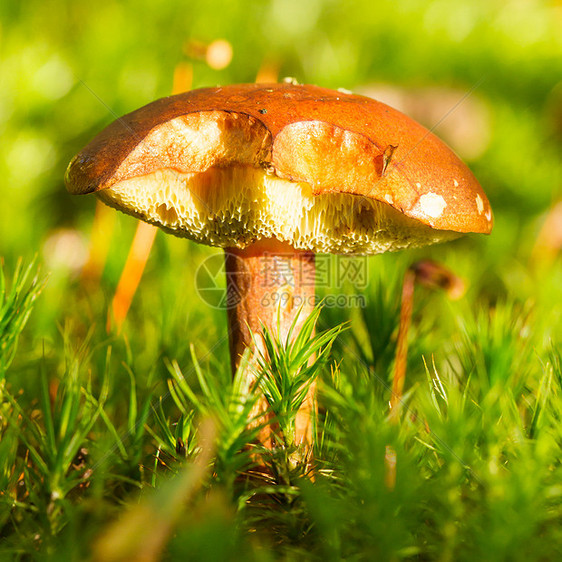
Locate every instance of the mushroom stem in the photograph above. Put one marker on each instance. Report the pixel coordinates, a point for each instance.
(269, 282)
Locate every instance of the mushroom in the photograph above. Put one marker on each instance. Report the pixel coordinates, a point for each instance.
(275, 173)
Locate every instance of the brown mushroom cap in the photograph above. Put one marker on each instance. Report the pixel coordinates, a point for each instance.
(323, 170)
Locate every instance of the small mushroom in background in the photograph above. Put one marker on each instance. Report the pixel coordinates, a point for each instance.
(275, 173)
(431, 275)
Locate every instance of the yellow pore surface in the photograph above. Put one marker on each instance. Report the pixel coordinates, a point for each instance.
(238, 205)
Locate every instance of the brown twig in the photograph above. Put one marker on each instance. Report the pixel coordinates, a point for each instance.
(144, 235)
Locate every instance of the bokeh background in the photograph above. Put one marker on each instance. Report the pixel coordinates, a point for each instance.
(486, 74)
(478, 477)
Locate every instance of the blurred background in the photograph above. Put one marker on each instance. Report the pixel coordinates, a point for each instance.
(487, 74)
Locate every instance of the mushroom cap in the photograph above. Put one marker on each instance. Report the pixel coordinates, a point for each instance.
(201, 162)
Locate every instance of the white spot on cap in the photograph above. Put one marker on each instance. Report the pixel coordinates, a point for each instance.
(455, 183)
(418, 185)
(432, 205)
(479, 204)
(388, 198)
(489, 215)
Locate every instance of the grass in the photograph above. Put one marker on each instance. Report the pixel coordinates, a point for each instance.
(100, 443)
